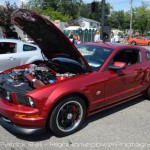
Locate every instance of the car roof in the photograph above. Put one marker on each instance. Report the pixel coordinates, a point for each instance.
(15, 41)
(107, 44)
(10, 40)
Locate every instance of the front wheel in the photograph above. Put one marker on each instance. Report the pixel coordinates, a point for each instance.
(133, 43)
(68, 116)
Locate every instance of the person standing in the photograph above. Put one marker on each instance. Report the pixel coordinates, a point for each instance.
(70, 36)
(76, 39)
(112, 39)
(97, 36)
(117, 38)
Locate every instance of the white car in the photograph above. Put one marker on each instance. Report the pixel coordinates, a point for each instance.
(16, 52)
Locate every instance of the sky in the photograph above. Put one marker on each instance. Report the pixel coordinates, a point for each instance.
(117, 4)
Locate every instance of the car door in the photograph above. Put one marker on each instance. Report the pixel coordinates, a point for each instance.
(127, 82)
(141, 41)
(7, 61)
(7, 55)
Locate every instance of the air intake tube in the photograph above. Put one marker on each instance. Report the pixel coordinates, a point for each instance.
(35, 83)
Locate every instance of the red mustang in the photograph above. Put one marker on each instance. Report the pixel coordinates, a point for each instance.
(70, 84)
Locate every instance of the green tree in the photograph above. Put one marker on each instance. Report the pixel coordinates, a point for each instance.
(141, 18)
(70, 9)
(66, 7)
(35, 4)
(5, 19)
(119, 20)
(55, 15)
(84, 10)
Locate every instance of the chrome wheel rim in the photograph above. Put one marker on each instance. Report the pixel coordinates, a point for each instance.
(69, 116)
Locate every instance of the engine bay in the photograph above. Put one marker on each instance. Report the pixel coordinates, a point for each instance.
(33, 76)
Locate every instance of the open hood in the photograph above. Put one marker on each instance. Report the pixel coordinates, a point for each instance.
(47, 36)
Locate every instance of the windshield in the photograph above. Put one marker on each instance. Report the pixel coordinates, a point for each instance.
(94, 55)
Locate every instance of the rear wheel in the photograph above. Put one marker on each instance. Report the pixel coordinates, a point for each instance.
(149, 44)
(68, 116)
(133, 43)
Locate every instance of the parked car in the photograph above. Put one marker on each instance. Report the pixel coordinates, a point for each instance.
(15, 52)
(147, 37)
(72, 84)
(139, 41)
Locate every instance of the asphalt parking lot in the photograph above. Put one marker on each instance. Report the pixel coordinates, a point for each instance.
(123, 127)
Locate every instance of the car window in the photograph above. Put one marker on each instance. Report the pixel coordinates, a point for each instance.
(29, 48)
(140, 38)
(128, 56)
(7, 47)
(94, 55)
(147, 37)
(148, 55)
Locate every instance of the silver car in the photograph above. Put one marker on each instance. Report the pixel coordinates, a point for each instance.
(16, 52)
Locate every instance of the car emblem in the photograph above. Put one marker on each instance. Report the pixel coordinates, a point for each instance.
(98, 93)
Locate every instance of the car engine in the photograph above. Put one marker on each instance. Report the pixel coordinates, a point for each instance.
(32, 77)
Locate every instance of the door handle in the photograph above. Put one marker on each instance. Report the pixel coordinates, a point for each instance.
(11, 58)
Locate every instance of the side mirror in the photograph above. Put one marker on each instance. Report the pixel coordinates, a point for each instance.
(117, 66)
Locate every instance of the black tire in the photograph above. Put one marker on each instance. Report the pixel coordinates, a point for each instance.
(147, 93)
(149, 44)
(133, 43)
(67, 116)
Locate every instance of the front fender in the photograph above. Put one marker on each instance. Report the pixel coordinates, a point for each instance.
(65, 90)
(46, 97)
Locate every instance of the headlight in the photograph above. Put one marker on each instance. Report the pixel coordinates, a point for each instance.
(24, 100)
(8, 96)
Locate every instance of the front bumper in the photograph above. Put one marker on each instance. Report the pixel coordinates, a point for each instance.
(19, 130)
(20, 119)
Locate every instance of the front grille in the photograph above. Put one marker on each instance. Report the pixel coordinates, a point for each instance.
(3, 93)
(22, 99)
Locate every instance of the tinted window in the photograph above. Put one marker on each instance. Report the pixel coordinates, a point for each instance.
(7, 47)
(148, 55)
(128, 56)
(29, 48)
(94, 55)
